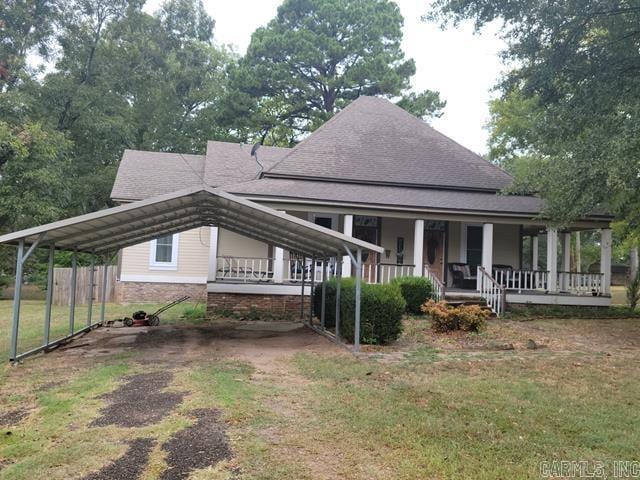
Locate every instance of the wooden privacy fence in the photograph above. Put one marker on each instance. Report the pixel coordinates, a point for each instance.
(62, 285)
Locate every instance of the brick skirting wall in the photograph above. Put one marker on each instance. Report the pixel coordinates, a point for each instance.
(147, 292)
(242, 303)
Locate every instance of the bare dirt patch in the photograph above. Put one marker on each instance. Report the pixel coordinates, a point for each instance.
(140, 401)
(13, 417)
(263, 344)
(129, 466)
(201, 445)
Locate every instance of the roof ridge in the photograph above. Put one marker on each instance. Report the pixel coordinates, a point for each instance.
(319, 129)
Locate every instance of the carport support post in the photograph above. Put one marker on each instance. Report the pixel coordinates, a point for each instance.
(72, 302)
(16, 301)
(312, 272)
(356, 341)
(323, 308)
(104, 288)
(338, 288)
(49, 300)
(91, 280)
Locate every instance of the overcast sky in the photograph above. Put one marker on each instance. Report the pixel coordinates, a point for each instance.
(461, 65)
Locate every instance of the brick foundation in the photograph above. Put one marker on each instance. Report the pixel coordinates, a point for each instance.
(146, 292)
(241, 303)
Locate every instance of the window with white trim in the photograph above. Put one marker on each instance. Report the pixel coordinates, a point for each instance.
(163, 253)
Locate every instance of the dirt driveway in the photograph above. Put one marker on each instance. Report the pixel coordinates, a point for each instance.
(263, 344)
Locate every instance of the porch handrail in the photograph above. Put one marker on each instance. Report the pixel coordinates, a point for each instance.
(245, 269)
(521, 279)
(581, 283)
(492, 292)
(438, 286)
(385, 272)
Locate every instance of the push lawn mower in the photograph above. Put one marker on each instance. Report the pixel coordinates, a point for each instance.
(141, 318)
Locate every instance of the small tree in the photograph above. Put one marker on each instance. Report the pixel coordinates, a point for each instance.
(633, 292)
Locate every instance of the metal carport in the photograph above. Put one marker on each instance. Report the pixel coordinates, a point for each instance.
(103, 233)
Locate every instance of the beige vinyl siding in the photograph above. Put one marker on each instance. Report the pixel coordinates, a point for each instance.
(193, 255)
(392, 228)
(453, 254)
(506, 245)
(234, 245)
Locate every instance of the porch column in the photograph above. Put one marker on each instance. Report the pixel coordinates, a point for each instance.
(278, 262)
(418, 248)
(213, 254)
(347, 230)
(535, 256)
(566, 259)
(487, 251)
(605, 259)
(552, 259)
(633, 262)
(278, 265)
(578, 257)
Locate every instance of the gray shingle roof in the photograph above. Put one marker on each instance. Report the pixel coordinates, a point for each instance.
(228, 163)
(373, 140)
(147, 174)
(423, 198)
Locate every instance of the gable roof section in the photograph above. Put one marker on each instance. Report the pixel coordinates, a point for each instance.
(375, 141)
(146, 174)
(228, 163)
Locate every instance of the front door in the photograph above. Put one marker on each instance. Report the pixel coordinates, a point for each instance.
(433, 254)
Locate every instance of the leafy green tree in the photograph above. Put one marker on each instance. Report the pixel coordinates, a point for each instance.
(25, 26)
(571, 102)
(314, 58)
(35, 176)
(127, 79)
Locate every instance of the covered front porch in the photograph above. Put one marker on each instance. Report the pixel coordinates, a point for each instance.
(500, 262)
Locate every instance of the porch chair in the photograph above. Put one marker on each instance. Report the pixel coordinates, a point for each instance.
(461, 276)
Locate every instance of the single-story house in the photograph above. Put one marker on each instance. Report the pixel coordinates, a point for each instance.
(374, 172)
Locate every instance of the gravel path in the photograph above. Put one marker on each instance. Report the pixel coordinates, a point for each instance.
(202, 445)
(140, 401)
(129, 466)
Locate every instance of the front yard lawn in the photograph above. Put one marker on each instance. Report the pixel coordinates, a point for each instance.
(293, 406)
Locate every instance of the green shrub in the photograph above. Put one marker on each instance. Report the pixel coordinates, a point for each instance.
(445, 318)
(381, 310)
(633, 292)
(330, 313)
(415, 291)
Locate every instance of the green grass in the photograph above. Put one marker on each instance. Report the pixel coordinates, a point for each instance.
(461, 421)
(438, 409)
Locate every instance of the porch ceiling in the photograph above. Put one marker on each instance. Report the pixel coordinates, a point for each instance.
(115, 228)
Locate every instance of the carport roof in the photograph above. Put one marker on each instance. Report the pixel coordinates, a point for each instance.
(114, 228)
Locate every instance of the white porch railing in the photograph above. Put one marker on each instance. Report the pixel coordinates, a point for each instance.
(438, 286)
(492, 292)
(385, 272)
(581, 283)
(245, 269)
(570, 282)
(521, 279)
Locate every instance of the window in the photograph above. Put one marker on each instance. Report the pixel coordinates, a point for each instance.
(163, 254)
(474, 247)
